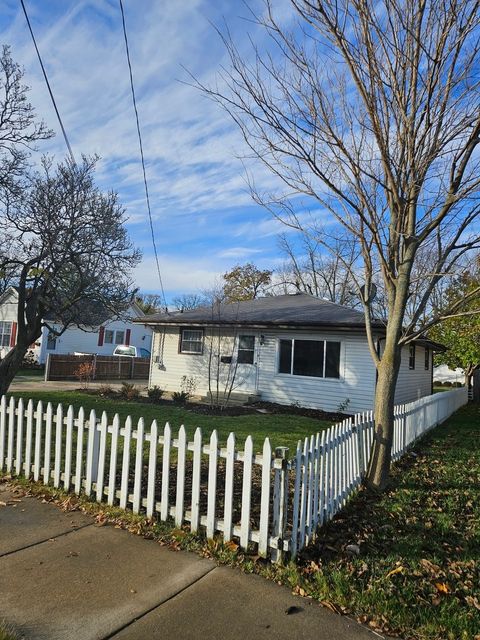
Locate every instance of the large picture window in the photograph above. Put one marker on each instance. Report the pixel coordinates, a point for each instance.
(314, 358)
(5, 334)
(191, 341)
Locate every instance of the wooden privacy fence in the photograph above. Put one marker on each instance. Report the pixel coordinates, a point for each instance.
(64, 367)
(254, 498)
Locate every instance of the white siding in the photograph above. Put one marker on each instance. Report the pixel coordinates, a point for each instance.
(8, 313)
(413, 384)
(74, 339)
(356, 383)
(173, 365)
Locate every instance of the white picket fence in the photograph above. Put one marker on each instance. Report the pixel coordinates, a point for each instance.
(263, 499)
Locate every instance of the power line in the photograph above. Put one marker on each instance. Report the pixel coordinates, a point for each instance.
(141, 153)
(48, 84)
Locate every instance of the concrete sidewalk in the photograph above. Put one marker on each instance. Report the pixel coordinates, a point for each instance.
(64, 577)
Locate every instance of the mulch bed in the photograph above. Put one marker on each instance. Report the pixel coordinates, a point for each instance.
(247, 409)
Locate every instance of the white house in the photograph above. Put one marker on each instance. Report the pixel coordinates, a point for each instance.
(291, 349)
(100, 340)
(8, 320)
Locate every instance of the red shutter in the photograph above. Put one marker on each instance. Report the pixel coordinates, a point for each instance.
(127, 337)
(100, 336)
(13, 335)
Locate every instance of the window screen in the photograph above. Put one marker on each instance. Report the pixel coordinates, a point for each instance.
(246, 349)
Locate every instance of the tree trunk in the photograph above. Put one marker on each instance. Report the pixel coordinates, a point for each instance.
(10, 365)
(381, 454)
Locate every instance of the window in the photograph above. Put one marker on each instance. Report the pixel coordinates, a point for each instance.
(144, 353)
(5, 334)
(191, 341)
(246, 349)
(124, 351)
(119, 337)
(427, 359)
(314, 358)
(411, 358)
(51, 341)
(108, 336)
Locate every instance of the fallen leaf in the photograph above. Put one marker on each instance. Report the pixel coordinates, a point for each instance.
(231, 545)
(473, 602)
(331, 606)
(399, 569)
(442, 587)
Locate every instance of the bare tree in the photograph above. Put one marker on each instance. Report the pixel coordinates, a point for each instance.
(68, 255)
(323, 273)
(149, 302)
(371, 110)
(188, 301)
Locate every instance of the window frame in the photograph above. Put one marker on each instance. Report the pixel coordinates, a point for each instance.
(4, 333)
(411, 357)
(118, 332)
(427, 359)
(292, 358)
(252, 351)
(51, 339)
(181, 340)
(110, 333)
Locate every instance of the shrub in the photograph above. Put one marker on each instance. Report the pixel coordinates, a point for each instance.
(105, 390)
(129, 391)
(180, 397)
(155, 393)
(84, 372)
(457, 384)
(447, 383)
(438, 383)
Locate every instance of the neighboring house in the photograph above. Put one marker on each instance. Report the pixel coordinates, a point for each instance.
(101, 340)
(291, 349)
(8, 320)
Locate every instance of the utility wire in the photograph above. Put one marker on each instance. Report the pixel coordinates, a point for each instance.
(48, 84)
(141, 153)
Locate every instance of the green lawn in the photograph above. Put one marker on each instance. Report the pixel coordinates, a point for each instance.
(31, 373)
(283, 430)
(418, 572)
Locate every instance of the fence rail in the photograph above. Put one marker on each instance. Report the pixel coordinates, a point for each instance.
(255, 498)
(65, 367)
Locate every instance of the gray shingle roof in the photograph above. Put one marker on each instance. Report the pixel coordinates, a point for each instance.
(297, 310)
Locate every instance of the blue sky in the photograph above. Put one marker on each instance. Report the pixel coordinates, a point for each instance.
(205, 221)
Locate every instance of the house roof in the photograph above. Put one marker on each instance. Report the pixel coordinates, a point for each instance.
(295, 310)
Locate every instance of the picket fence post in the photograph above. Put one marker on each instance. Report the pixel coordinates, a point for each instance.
(280, 500)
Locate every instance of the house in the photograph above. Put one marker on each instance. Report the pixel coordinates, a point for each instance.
(290, 349)
(100, 340)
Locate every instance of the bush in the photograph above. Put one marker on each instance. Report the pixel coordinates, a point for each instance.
(129, 391)
(438, 383)
(105, 390)
(155, 393)
(447, 383)
(84, 372)
(180, 397)
(457, 384)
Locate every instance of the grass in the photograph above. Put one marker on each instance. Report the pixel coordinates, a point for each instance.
(7, 632)
(31, 373)
(418, 571)
(282, 429)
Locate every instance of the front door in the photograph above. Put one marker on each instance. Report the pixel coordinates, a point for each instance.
(246, 367)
